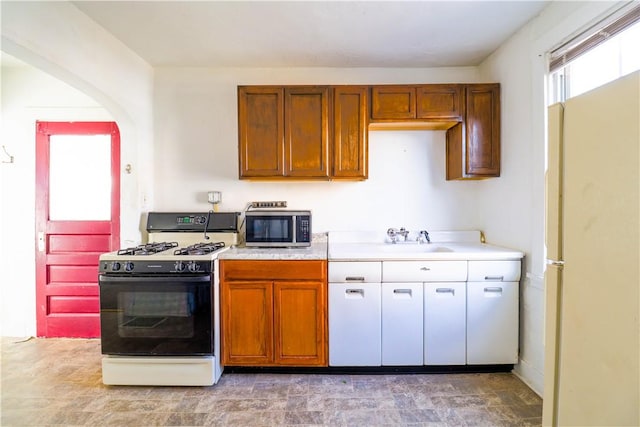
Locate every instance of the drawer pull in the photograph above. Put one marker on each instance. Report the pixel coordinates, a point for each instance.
(425, 269)
(354, 279)
(494, 278)
(355, 292)
(445, 291)
(402, 291)
(493, 289)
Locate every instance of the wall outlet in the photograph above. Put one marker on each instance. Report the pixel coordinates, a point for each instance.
(268, 204)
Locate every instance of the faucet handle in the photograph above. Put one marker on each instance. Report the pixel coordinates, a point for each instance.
(424, 236)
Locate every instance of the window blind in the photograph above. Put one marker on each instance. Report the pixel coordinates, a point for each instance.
(593, 37)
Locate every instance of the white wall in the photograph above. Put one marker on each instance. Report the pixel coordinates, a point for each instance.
(513, 208)
(104, 80)
(57, 38)
(27, 96)
(197, 151)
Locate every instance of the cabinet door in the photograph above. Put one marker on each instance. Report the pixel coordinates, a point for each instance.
(247, 323)
(350, 120)
(402, 334)
(445, 323)
(473, 147)
(483, 129)
(306, 141)
(261, 131)
(393, 102)
(492, 323)
(440, 102)
(300, 323)
(354, 324)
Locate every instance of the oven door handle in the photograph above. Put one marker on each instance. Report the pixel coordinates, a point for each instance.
(107, 279)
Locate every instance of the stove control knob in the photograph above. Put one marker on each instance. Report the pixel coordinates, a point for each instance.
(115, 266)
(128, 266)
(179, 266)
(194, 267)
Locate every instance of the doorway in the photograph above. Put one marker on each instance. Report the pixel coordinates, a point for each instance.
(77, 219)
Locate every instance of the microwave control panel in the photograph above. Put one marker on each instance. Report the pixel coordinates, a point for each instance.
(303, 228)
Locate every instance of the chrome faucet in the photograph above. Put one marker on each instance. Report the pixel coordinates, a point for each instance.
(423, 236)
(393, 234)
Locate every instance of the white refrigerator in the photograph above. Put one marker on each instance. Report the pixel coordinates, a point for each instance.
(592, 279)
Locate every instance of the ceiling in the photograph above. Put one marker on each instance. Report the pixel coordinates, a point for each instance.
(399, 33)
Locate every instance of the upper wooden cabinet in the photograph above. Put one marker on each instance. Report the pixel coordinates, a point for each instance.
(320, 132)
(440, 101)
(473, 146)
(306, 132)
(261, 131)
(430, 102)
(350, 119)
(283, 131)
(303, 132)
(393, 102)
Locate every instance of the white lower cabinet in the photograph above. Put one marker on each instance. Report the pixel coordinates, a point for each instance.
(445, 323)
(412, 313)
(355, 334)
(402, 334)
(492, 323)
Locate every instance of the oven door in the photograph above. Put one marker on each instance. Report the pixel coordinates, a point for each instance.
(156, 315)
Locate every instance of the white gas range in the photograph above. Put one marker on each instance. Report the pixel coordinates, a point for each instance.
(159, 302)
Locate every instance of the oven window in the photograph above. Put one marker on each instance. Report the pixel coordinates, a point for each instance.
(156, 314)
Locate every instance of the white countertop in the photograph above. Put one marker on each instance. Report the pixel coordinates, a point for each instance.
(421, 252)
(369, 246)
(445, 245)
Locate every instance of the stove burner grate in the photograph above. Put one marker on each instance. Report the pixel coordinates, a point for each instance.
(148, 249)
(199, 249)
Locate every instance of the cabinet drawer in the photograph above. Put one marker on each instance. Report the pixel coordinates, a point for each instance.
(345, 272)
(272, 270)
(424, 271)
(494, 271)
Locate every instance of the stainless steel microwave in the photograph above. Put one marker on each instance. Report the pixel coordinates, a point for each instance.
(278, 228)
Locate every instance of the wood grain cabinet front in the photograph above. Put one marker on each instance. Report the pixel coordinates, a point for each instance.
(283, 132)
(350, 122)
(428, 102)
(261, 131)
(320, 132)
(273, 313)
(440, 102)
(303, 132)
(392, 102)
(306, 132)
(473, 146)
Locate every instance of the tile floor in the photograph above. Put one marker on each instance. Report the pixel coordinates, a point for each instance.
(58, 382)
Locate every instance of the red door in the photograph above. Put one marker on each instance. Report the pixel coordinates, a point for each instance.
(77, 219)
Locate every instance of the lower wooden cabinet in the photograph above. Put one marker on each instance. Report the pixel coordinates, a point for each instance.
(274, 313)
(247, 322)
